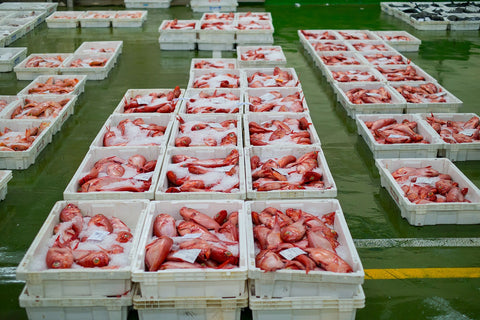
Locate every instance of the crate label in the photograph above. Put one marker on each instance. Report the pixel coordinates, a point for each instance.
(292, 253)
(468, 132)
(189, 255)
(98, 235)
(267, 97)
(427, 180)
(144, 176)
(215, 8)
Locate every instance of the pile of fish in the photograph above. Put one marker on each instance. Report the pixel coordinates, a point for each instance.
(268, 54)
(217, 25)
(88, 62)
(353, 75)
(44, 62)
(339, 59)
(360, 46)
(456, 131)
(216, 102)
(296, 240)
(191, 174)
(38, 110)
(203, 133)
(20, 141)
(424, 93)
(54, 86)
(253, 25)
(134, 133)
(3, 104)
(365, 96)
(313, 35)
(354, 35)
(153, 102)
(179, 25)
(279, 78)
(116, 174)
(275, 101)
(407, 74)
(280, 132)
(427, 185)
(389, 131)
(330, 46)
(198, 241)
(89, 242)
(204, 64)
(380, 58)
(287, 173)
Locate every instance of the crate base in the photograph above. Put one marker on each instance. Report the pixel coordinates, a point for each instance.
(209, 46)
(184, 46)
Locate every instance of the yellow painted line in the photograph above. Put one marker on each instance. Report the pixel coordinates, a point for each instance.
(421, 273)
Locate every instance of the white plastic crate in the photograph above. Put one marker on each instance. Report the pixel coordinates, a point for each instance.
(165, 119)
(431, 213)
(23, 25)
(255, 35)
(452, 103)
(93, 155)
(58, 121)
(129, 19)
(64, 19)
(320, 46)
(466, 22)
(428, 25)
(306, 36)
(76, 308)
(184, 35)
(215, 46)
(174, 46)
(23, 159)
(297, 283)
(397, 104)
(373, 46)
(95, 47)
(328, 72)
(11, 33)
(324, 59)
(272, 82)
(213, 120)
(49, 7)
(266, 97)
(214, 105)
(2, 40)
(307, 308)
(202, 154)
(10, 57)
(77, 90)
(96, 19)
(82, 282)
(194, 283)
(356, 34)
(412, 44)
(132, 93)
(419, 72)
(92, 73)
(5, 177)
(384, 58)
(273, 56)
(219, 74)
(30, 73)
(198, 308)
(225, 35)
(215, 7)
(399, 150)
(212, 63)
(456, 151)
(148, 4)
(265, 153)
(259, 118)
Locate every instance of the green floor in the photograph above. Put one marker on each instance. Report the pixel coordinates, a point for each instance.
(453, 58)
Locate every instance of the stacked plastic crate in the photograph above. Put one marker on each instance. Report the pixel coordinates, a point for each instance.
(147, 4)
(217, 31)
(213, 5)
(94, 59)
(97, 19)
(436, 16)
(406, 146)
(10, 57)
(19, 18)
(36, 113)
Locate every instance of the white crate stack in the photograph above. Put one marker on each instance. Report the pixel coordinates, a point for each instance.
(436, 16)
(93, 58)
(147, 4)
(80, 293)
(344, 56)
(217, 31)
(213, 5)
